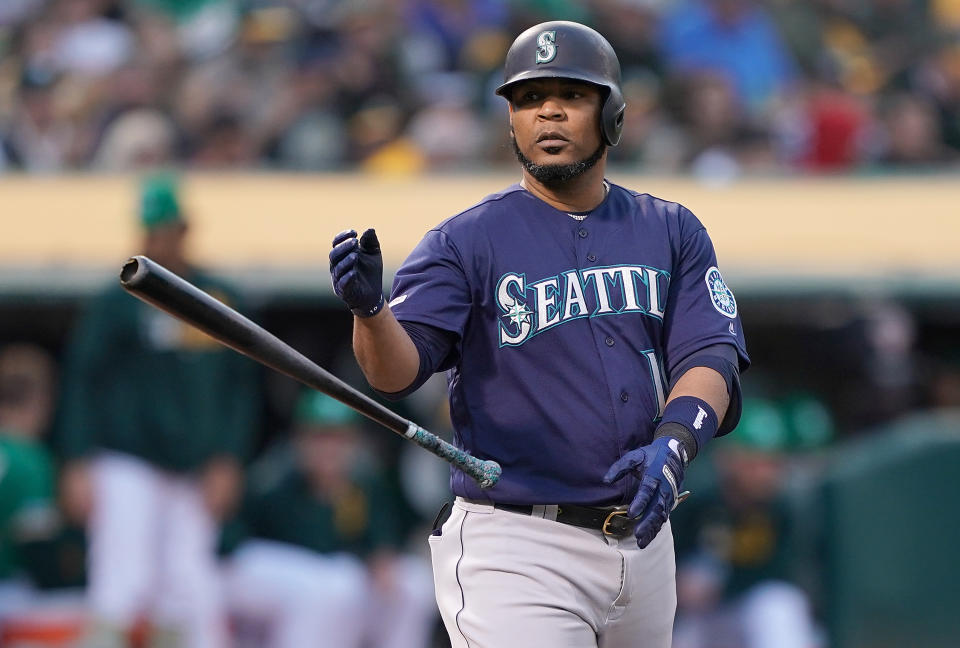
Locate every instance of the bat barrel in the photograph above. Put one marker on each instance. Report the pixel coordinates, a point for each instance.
(154, 284)
(160, 287)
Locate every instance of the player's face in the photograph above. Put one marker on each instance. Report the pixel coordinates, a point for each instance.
(327, 456)
(166, 244)
(556, 121)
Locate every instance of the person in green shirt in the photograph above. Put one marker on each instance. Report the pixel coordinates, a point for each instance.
(27, 509)
(156, 422)
(737, 549)
(321, 561)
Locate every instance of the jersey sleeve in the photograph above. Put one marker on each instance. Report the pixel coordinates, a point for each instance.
(431, 286)
(701, 308)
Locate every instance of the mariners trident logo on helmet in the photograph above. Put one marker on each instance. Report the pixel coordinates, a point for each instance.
(546, 46)
(561, 49)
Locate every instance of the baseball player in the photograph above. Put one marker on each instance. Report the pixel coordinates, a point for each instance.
(592, 348)
(322, 544)
(156, 421)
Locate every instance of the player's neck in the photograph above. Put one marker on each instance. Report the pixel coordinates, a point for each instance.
(581, 194)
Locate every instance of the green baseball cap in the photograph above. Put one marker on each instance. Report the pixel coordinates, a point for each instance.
(762, 427)
(799, 421)
(809, 421)
(159, 202)
(315, 409)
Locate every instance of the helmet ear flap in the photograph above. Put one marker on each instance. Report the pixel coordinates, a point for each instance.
(612, 115)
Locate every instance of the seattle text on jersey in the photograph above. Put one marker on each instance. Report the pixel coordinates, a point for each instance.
(533, 307)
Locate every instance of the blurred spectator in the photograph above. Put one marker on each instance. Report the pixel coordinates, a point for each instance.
(138, 139)
(824, 85)
(633, 28)
(323, 545)
(440, 31)
(91, 38)
(27, 509)
(38, 138)
(376, 135)
(836, 123)
(204, 28)
(446, 130)
(715, 123)
(735, 542)
(733, 38)
(899, 32)
(938, 77)
(913, 133)
(14, 11)
(222, 145)
(156, 421)
(882, 381)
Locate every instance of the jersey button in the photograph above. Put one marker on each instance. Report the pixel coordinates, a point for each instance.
(609, 341)
(624, 396)
(591, 257)
(582, 233)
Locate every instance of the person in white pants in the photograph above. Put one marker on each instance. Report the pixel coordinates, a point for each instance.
(155, 424)
(152, 554)
(320, 565)
(592, 349)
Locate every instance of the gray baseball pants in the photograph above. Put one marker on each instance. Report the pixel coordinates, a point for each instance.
(505, 580)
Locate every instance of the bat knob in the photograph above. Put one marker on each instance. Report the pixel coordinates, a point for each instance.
(490, 471)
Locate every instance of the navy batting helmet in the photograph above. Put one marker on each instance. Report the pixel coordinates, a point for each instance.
(568, 50)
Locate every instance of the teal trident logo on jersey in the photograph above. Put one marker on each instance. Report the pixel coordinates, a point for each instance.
(530, 308)
(546, 46)
(721, 296)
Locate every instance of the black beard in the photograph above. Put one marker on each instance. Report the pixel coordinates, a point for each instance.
(555, 175)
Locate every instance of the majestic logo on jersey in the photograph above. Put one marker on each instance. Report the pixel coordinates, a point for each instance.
(546, 46)
(720, 295)
(529, 308)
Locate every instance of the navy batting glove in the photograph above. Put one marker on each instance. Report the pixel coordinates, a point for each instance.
(660, 468)
(356, 269)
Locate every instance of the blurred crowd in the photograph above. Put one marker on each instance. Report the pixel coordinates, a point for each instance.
(713, 87)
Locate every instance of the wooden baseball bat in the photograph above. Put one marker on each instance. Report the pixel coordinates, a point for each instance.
(154, 284)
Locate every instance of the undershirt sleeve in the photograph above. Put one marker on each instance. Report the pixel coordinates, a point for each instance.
(437, 350)
(724, 359)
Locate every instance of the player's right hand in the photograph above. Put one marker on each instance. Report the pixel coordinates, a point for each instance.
(356, 268)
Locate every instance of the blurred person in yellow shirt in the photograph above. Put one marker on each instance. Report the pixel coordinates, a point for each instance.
(320, 559)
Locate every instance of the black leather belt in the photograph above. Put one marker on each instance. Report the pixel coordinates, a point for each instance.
(613, 522)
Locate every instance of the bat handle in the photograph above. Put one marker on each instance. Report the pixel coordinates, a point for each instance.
(485, 472)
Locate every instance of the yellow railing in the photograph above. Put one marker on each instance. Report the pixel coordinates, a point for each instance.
(803, 227)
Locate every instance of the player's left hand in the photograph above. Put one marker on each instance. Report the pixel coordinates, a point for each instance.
(356, 267)
(659, 466)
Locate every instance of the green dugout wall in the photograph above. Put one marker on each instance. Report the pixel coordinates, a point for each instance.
(891, 520)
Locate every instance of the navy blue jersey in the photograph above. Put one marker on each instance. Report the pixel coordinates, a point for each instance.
(566, 333)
